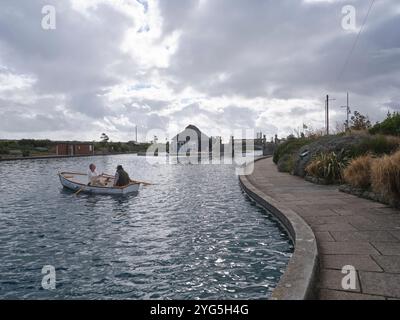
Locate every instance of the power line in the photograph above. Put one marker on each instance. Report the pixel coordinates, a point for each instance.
(356, 41)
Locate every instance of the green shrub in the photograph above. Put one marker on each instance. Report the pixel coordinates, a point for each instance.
(391, 126)
(289, 147)
(328, 166)
(4, 150)
(286, 163)
(375, 144)
(26, 153)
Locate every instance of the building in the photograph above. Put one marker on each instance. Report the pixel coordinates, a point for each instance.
(74, 149)
(192, 139)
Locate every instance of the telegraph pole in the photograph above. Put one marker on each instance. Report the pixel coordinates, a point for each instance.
(348, 112)
(327, 113)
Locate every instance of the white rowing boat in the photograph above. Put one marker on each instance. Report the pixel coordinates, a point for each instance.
(78, 182)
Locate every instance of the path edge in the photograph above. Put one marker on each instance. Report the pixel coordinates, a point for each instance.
(300, 278)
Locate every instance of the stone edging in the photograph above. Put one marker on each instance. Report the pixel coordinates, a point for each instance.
(298, 281)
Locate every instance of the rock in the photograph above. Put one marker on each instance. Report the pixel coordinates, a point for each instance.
(324, 144)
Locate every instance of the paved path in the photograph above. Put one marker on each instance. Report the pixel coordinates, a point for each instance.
(349, 231)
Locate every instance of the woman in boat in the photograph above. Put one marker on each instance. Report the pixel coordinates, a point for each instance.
(121, 177)
(94, 178)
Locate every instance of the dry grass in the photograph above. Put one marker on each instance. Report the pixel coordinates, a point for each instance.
(385, 176)
(358, 172)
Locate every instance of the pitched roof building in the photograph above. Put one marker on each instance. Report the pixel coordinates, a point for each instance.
(192, 139)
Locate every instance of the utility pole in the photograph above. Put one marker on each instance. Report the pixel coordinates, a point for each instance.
(327, 113)
(136, 133)
(348, 112)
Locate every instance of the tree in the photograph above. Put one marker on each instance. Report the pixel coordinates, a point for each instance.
(359, 121)
(104, 138)
(390, 126)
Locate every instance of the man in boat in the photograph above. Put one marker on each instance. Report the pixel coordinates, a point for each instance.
(94, 178)
(121, 177)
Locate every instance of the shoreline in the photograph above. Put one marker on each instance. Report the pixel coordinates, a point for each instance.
(349, 232)
(66, 157)
(298, 280)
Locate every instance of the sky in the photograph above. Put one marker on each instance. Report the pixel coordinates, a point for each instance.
(222, 65)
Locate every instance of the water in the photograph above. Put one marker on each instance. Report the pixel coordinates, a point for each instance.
(193, 235)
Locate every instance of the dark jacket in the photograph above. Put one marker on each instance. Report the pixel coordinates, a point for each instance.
(123, 178)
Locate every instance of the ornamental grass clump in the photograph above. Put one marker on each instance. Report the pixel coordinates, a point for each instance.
(358, 173)
(385, 177)
(328, 166)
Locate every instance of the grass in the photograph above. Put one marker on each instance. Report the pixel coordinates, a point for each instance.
(385, 176)
(358, 173)
(328, 166)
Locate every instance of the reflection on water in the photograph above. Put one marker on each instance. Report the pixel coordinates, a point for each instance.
(193, 235)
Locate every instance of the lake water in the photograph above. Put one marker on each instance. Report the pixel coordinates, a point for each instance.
(193, 235)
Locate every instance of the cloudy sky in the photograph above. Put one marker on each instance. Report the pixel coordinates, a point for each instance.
(219, 64)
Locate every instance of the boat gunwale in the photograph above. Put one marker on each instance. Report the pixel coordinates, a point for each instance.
(61, 174)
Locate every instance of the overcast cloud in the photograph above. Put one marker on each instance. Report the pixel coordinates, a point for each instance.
(217, 64)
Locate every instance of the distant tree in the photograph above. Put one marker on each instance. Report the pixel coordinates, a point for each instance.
(390, 126)
(359, 122)
(104, 138)
(291, 137)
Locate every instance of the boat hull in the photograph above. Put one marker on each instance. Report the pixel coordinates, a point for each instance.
(68, 183)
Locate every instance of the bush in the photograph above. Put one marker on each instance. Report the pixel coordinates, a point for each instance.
(377, 145)
(4, 150)
(385, 177)
(26, 153)
(289, 147)
(391, 126)
(358, 172)
(286, 163)
(328, 166)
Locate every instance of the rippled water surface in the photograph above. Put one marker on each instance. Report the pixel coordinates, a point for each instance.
(193, 235)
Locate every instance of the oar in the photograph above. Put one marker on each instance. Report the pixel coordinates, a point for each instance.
(143, 182)
(78, 192)
(134, 181)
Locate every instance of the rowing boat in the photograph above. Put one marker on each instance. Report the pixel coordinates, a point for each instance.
(78, 182)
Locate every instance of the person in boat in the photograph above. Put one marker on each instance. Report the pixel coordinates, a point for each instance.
(94, 178)
(121, 177)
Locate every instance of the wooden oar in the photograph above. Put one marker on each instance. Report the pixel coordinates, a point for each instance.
(78, 192)
(134, 181)
(143, 182)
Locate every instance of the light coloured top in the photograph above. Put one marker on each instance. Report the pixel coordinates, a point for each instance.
(92, 175)
(116, 178)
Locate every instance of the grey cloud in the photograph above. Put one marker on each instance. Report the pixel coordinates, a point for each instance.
(285, 50)
(270, 49)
